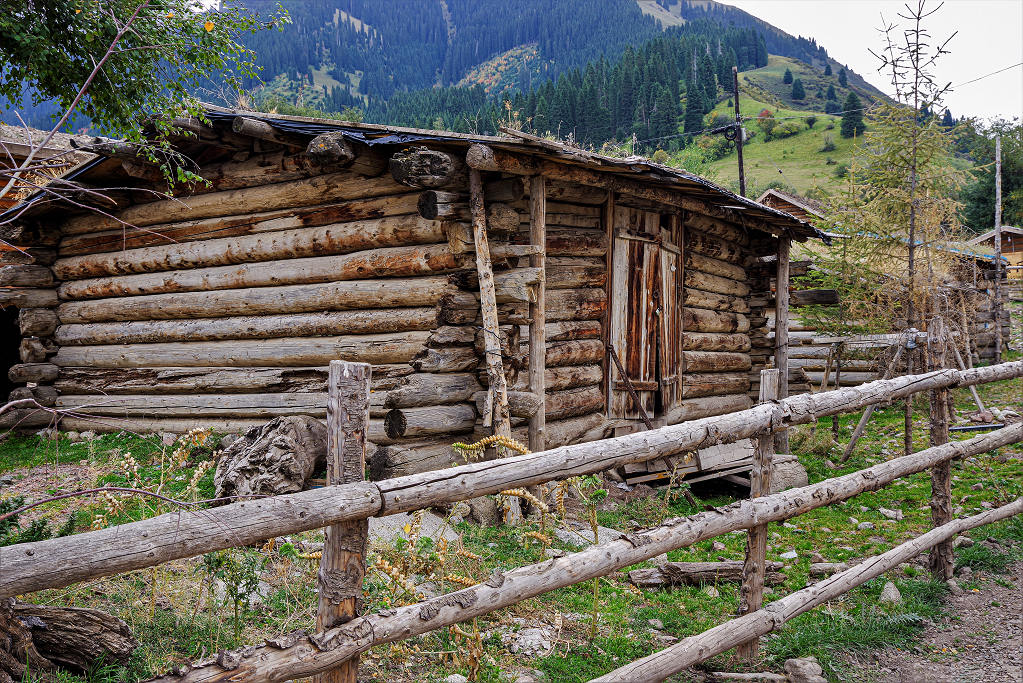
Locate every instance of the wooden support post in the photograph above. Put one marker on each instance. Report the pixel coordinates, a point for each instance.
(343, 565)
(997, 307)
(496, 411)
(537, 312)
(781, 333)
(838, 385)
(751, 596)
(865, 418)
(941, 560)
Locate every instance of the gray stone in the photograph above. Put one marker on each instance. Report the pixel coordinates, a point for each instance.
(806, 670)
(854, 521)
(656, 624)
(718, 546)
(6, 480)
(583, 537)
(73, 437)
(954, 587)
(88, 436)
(787, 475)
(531, 641)
(388, 528)
(977, 487)
(456, 678)
(554, 552)
(891, 514)
(660, 559)
(484, 511)
(168, 438)
(865, 526)
(711, 591)
(890, 595)
(962, 542)
(789, 555)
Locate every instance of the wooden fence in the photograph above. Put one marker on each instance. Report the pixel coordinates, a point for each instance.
(331, 653)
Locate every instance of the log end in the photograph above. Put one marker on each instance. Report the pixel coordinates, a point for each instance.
(395, 424)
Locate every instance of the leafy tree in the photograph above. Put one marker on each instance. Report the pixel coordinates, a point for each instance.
(978, 197)
(788, 76)
(798, 93)
(852, 117)
(766, 122)
(827, 69)
(831, 107)
(832, 95)
(810, 121)
(843, 80)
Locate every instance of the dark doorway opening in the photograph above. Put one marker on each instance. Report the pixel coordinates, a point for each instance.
(10, 340)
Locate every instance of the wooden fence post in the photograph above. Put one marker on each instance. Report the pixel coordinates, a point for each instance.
(343, 565)
(751, 596)
(781, 332)
(941, 560)
(537, 310)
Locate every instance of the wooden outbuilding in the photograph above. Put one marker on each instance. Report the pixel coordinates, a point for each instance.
(509, 285)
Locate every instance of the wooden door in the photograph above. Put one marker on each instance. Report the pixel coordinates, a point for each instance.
(645, 314)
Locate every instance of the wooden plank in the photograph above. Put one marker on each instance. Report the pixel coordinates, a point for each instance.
(538, 308)
(343, 563)
(781, 333)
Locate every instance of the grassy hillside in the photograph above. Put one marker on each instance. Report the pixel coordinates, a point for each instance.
(770, 80)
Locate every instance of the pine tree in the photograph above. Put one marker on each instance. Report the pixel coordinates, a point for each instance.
(832, 95)
(798, 93)
(694, 108)
(947, 121)
(852, 117)
(788, 76)
(827, 69)
(843, 80)
(664, 118)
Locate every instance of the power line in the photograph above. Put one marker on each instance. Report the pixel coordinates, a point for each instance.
(980, 78)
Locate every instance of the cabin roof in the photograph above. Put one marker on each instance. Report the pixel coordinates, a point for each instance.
(637, 168)
(810, 206)
(990, 234)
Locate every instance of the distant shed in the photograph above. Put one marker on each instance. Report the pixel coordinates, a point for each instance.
(318, 240)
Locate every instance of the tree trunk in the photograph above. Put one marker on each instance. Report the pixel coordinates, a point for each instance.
(696, 573)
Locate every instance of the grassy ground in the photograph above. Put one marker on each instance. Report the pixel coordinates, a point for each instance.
(192, 608)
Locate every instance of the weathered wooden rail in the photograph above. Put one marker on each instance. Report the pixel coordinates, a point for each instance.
(342, 634)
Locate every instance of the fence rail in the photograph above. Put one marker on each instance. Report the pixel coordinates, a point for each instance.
(63, 561)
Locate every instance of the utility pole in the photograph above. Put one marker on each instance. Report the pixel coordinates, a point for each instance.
(738, 130)
(998, 249)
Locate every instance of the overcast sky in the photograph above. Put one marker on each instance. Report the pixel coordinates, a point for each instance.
(990, 37)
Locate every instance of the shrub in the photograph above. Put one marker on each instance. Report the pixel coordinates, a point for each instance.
(798, 92)
(830, 126)
(767, 122)
(810, 121)
(660, 157)
(841, 171)
(830, 162)
(721, 120)
(787, 129)
(832, 107)
(829, 144)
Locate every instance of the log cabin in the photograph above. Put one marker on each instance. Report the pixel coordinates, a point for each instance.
(504, 285)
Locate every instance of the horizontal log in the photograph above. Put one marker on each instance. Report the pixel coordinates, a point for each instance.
(25, 276)
(714, 361)
(35, 349)
(695, 384)
(262, 130)
(428, 168)
(520, 403)
(697, 298)
(60, 562)
(558, 191)
(714, 246)
(703, 320)
(399, 347)
(573, 277)
(560, 405)
(43, 395)
(429, 421)
(809, 297)
(33, 372)
(37, 322)
(713, 266)
(724, 229)
(715, 341)
(412, 261)
(707, 406)
(339, 238)
(303, 192)
(25, 256)
(452, 359)
(561, 305)
(696, 573)
(198, 406)
(580, 352)
(333, 151)
(714, 283)
(370, 321)
(568, 330)
(846, 379)
(502, 219)
(234, 226)
(23, 297)
(848, 365)
(565, 377)
(331, 296)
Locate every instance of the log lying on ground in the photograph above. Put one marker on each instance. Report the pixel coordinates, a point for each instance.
(703, 320)
(714, 341)
(307, 191)
(323, 324)
(124, 238)
(306, 655)
(695, 573)
(698, 648)
(25, 276)
(411, 261)
(74, 638)
(23, 297)
(338, 238)
(399, 347)
(330, 296)
(37, 322)
(60, 562)
(33, 372)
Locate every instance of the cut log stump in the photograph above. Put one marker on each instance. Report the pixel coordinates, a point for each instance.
(273, 459)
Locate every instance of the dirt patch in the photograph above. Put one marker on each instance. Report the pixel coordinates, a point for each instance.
(980, 641)
(37, 483)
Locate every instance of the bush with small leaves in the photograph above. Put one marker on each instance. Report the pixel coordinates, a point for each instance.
(829, 144)
(810, 121)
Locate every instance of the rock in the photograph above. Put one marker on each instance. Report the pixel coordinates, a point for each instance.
(6, 480)
(965, 572)
(583, 537)
(718, 546)
(276, 458)
(388, 528)
(711, 591)
(228, 440)
(854, 521)
(88, 436)
(73, 437)
(977, 487)
(789, 555)
(456, 678)
(986, 505)
(953, 587)
(891, 514)
(865, 526)
(656, 624)
(804, 671)
(660, 559)
(864, 508)
(890, 595)
(554, 552)
(981, 416)
(46, 433)
(816, 557)
(787, 474)
(168, 438)
(531, 641)
(483, 511)
(962, 542)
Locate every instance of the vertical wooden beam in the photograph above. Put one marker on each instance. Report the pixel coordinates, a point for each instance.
(751, 595)
(781, 332)
(496, 412)
(537, 312)
(343, 564)
(839, 347)
(941, 559)
(998, 249)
